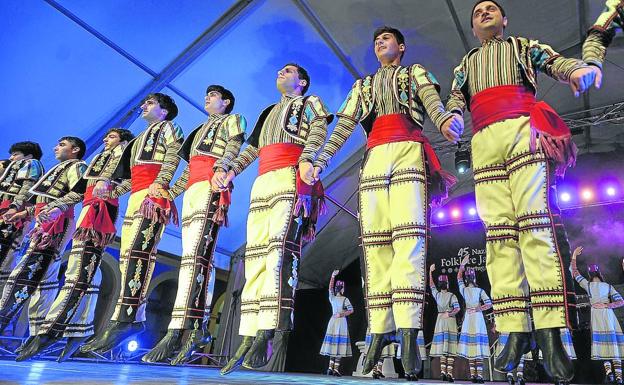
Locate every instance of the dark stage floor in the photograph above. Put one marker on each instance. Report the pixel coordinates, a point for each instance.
(50, 372)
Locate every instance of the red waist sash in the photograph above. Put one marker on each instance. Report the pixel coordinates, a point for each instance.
(159, 210)
(401, 128)
(50, 233)
(310, 199)
(201, 168)
(508, 102)
(97, 225)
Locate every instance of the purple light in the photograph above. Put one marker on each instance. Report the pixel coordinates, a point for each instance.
(455, 213)
(565, 197)
(440, 215)
(611, 191)
(472, 211)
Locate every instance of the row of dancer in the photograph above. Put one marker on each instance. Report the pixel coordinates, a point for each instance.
(400, 166)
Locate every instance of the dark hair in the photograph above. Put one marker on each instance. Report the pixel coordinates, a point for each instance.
(303, 74)
(165, 101)
(124, 135)
(225, 95)
(27, 148)
(483, 1)
(76, 142)
(397, 35)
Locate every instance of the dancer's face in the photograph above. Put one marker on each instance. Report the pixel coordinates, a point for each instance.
(64, 151)
(214, 103)
(18, 155)
(387, 49)
(111, 140)
(152, 111)
(488, 21)
(288, 80)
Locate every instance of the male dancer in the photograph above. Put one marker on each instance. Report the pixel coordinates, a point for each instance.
(94, 230)
(601, 34)
(284, 207)
(518, 148)
(149, 160)
(36, 275)
(212, 145)
(394, 198)
(23, 171)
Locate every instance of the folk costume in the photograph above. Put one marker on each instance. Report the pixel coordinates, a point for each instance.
(282, 213)
(400, 176)
(213, 145)
(519, 147)
(72, 312)
(151, 157)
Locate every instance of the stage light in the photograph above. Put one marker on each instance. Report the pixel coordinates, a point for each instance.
(440, 215)
(611, 191)
(472, 211)
(132, 346)
(462, 159)
(565, 197)
(587, 194)
(455, 213)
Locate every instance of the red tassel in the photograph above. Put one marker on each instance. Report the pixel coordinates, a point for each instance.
(562, 151)
(220, 216)
(155, 212)
(442, 181)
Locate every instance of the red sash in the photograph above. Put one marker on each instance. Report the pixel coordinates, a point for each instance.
(97, 225)
(4, 207)
(310, 199)
(401, 128)
(508, 102)
(201, 168)
(160, 210)
(49, 234)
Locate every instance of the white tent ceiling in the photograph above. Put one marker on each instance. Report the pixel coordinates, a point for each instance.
(77, 68)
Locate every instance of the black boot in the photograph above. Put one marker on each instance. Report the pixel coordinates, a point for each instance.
(24, 344)
(196, 340)
(35, 345)
(73, 343)
(410, 354)
(115, 334)
(518, 344)
(261, 351)
(556, 361)
(611, 378)
(378, 342)
(510, 379)
(239, 356)
(479, 380)
(165, 348)
(443, 377)
(449, 377)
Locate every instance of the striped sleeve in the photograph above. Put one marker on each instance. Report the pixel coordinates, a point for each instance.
(548, 61)
(180, 185)
(582, 281)
(316, 114)
(173, 138)
(454, 302)
(462, 286)
(249, 154)
(456, 100)
(347, 305)
(349, 115)
(485, 299)
(121, 189)
(614, 295)
(601, 34)
(434, 292)
(236, 127)
(427, 89)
